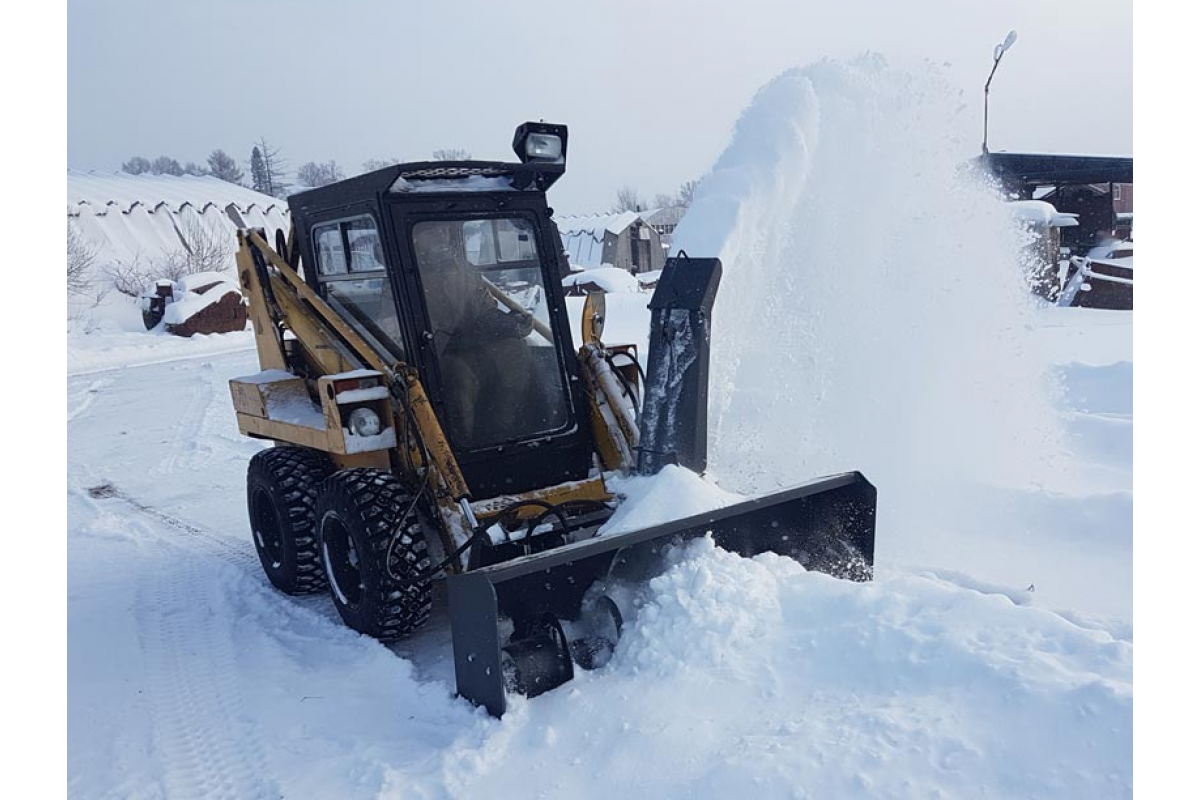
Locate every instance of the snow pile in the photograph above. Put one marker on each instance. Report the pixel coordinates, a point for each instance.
(672, 493)
(751, 672)
(607, 279)
(626, 319)
(1041, 213)
(470, 183)
(872, 314)
(188, 304)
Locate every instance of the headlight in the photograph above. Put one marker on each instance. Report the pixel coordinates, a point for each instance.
(543, 146)
(364, 422)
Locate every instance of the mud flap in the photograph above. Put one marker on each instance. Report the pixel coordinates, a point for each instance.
(828, 525)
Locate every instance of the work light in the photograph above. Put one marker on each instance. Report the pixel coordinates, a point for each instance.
(541, 142)
(543, 147)
(364, 422)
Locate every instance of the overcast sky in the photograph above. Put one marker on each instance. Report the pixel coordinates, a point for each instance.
(650, 90)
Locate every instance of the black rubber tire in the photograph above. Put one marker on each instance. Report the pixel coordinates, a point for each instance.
(359, 512)
(281, 493)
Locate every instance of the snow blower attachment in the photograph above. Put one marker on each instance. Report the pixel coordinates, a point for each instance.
(433, 420)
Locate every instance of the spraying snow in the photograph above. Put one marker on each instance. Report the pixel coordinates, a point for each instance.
(872, 315)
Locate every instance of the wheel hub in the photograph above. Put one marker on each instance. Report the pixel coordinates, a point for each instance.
(341, 560)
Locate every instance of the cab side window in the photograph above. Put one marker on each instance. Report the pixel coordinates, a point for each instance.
(352, 273)
(331, 253)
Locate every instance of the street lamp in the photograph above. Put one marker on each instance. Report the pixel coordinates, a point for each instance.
(997, 54)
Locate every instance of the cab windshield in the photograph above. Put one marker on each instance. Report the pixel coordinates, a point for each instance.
(489, 317)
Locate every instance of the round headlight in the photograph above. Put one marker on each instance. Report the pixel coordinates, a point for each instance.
(364, 422)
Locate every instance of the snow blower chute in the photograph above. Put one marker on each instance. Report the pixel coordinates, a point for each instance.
(433, 420)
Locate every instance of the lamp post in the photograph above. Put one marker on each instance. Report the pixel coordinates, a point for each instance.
(997, 54)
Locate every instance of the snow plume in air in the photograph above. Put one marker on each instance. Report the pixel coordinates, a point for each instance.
(871, 314)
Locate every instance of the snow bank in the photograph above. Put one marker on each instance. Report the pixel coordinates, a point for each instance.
(741, 673)
(872, 314)
(109, 347)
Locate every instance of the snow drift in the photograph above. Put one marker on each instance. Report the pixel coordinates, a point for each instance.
(752, 672)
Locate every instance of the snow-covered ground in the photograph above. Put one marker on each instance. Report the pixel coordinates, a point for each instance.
(991, 657)
(190, 676)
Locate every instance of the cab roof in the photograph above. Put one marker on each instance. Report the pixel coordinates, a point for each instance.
(422, 176)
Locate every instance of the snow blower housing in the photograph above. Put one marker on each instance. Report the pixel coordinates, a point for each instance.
(434, 421)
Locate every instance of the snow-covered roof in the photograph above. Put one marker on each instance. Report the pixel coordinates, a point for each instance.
(122, 192)
(609, 279)
(583, 236)
(670, 215)
(1039, 212)
(148, 218)
(597, 223)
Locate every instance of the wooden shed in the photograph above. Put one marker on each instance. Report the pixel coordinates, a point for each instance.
(623, 240)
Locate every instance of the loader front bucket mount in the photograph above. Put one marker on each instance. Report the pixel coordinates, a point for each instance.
(828, 525)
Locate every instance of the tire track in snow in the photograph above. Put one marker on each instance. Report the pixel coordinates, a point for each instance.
(209, 747)
(81, 408)
(428, 649)
(183, 446)
(197, 635)
(217, 431)
(216, 545)
(214, 428)
(206, 746)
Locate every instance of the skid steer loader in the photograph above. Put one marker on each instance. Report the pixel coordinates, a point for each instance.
(434, 421)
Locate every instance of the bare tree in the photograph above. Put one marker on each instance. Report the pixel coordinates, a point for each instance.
(451, 154)
(165, 165)
(314, 174)
(271, 170)
(372, 164)
(201, 250)
(686, 192)
(221, 165)
(136, 165)
(664, 201)
(81, 257)
(192, 168)
(627, 200)
(130, 278)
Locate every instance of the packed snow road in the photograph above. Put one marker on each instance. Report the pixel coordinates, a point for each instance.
(190, 676)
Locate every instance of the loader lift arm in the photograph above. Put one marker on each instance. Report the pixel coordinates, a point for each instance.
(281, 301)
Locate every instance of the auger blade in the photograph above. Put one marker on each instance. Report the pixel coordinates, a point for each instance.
(828, 525)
